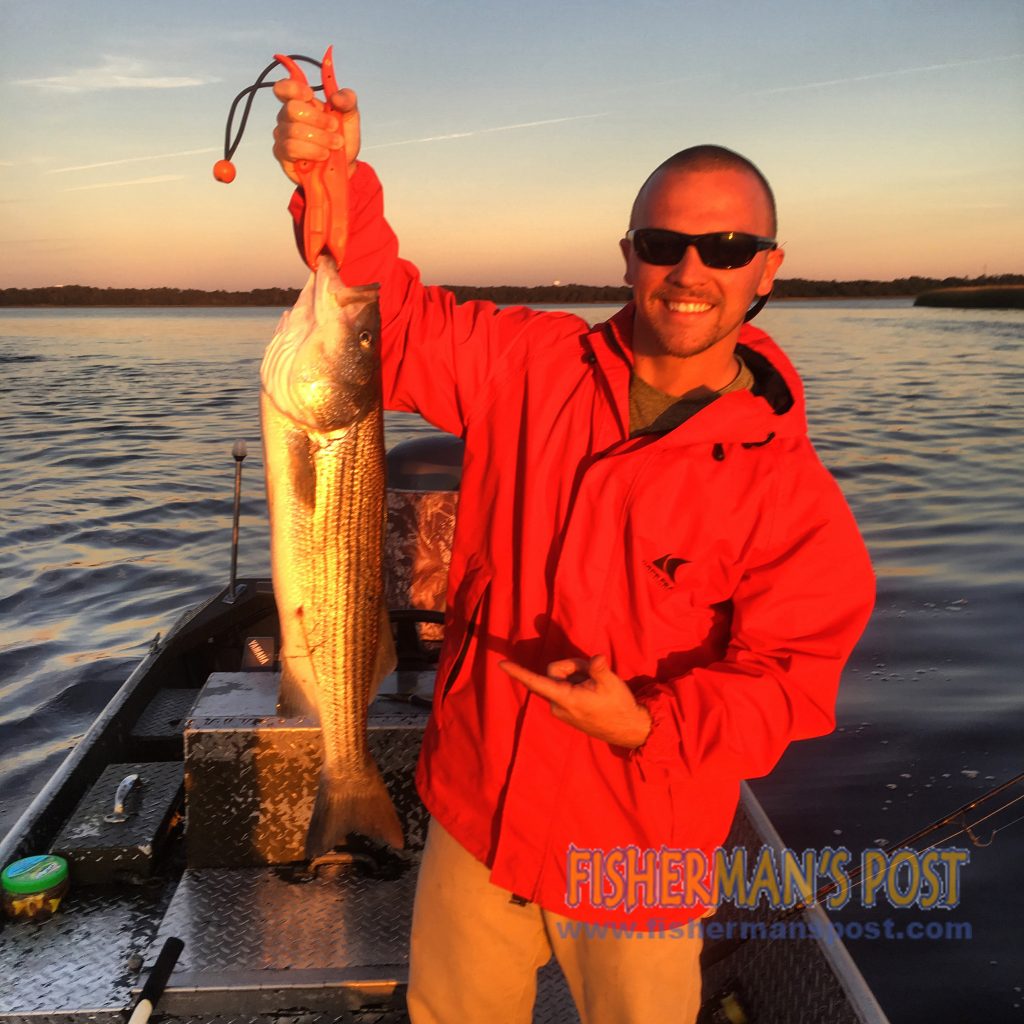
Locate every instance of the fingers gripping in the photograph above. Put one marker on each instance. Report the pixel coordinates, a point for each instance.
(324, 178)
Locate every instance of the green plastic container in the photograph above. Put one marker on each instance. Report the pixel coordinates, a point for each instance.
(34, 886)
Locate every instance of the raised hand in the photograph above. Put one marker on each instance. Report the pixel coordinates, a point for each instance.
(309, 130)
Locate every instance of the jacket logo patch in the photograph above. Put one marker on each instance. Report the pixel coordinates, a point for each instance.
(663, 569)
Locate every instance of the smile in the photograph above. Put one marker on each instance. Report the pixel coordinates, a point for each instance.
(688, 307)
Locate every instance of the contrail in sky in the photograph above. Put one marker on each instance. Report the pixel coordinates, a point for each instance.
(135, 160)
(383, 145)
(135, 181)
(888, 74)
(486, 131)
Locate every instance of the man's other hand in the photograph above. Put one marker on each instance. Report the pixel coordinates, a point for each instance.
(589, 696)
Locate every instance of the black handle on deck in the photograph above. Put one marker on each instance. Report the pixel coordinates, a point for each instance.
(161, 973)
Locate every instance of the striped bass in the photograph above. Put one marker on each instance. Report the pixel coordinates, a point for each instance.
(323, 443)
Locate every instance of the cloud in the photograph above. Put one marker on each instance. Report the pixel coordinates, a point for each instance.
(156, 180)
(888, 74)
(135, 160)
(485, 131)
(114, 73)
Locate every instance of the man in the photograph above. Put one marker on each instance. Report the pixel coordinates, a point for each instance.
(653, 589)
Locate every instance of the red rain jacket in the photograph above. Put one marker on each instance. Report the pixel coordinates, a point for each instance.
(718, 566)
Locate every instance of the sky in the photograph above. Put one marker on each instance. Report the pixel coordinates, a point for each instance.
(511, 138)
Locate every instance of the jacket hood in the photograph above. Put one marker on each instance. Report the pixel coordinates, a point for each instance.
(775, 405)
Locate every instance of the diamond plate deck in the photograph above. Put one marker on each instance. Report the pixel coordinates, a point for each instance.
(165, 716)
(335, 949)
(253, 937)
(76, 967)
(329, 941)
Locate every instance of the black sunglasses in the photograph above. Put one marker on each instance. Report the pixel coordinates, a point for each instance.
(720, 250)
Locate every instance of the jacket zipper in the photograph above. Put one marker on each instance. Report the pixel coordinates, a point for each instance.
(463, 648)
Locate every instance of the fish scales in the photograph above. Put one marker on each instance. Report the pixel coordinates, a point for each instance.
(349, 503)
(324, 454)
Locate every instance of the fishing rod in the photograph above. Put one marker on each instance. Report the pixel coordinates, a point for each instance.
(954, 817)
(721, 950)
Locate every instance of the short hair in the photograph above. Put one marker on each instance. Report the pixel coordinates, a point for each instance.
(710, 158)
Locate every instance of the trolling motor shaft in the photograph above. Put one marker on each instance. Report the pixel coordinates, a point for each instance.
(239, 450)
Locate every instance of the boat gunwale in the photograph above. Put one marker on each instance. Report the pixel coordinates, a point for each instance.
(840, 961)
(86, 760)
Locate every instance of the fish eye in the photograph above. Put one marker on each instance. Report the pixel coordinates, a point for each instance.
(365, 339)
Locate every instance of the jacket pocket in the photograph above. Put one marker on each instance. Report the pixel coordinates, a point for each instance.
(463, 630)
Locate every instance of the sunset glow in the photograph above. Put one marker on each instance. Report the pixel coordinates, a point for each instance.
(511, 139)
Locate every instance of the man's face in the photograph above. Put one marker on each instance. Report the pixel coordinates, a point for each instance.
(683, 310)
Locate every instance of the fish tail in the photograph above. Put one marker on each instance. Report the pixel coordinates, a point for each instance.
(353, 803)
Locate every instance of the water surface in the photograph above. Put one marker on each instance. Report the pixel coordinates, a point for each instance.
(115, 507)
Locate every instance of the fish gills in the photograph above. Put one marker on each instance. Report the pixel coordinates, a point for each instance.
(324, 452)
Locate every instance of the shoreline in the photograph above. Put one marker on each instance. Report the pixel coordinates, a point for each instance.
(1005, 292)
(910, 297)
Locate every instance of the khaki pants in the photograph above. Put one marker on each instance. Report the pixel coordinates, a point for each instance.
(475, 955)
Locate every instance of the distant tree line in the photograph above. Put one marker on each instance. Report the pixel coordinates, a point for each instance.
(538, 295)
(1005, 296)
(800, 288)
